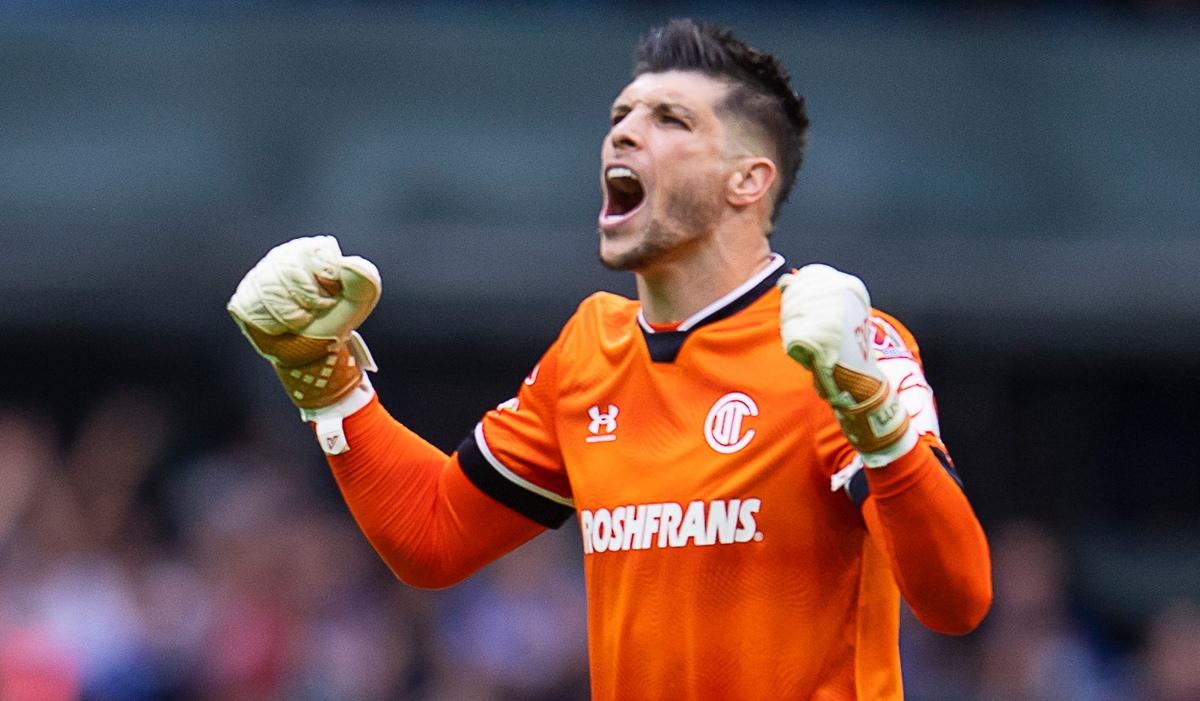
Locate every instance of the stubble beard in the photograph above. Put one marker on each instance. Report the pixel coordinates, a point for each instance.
(688, 217)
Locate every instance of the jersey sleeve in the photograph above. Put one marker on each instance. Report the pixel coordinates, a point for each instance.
(915, 508)
(513, 454)
(899, 358)
(429, 524)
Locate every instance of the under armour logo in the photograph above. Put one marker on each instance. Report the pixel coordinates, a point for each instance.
(723, 427)
(602, 425)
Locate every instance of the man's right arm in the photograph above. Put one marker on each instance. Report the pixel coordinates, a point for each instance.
(428, 522)
(299, 308)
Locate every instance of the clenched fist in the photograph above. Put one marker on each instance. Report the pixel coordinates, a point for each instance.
(300, 306)
(825, 318)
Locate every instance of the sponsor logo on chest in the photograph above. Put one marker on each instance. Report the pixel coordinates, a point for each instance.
(670, 525)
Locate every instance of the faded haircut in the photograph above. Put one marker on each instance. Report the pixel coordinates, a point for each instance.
(760, 95)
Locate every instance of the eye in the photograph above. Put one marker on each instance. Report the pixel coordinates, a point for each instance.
(617, 117)
(673, 121)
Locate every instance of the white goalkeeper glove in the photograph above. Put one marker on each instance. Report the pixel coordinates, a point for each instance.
(825, 323)
(299, 307)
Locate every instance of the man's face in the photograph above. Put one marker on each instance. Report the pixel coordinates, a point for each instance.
(663, 168)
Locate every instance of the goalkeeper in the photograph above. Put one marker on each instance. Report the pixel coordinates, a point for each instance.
(753, 454)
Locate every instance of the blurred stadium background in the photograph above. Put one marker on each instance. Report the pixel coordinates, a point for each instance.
(1020, 183)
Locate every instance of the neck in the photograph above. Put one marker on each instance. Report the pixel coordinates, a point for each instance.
(671, 291)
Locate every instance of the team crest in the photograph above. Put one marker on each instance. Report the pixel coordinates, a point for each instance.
(723, 426)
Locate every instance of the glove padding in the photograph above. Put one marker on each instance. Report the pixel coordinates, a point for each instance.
(300, 306)
(826, 327)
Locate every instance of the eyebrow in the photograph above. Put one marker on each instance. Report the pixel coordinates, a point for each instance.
(657, 107)
(673, 108)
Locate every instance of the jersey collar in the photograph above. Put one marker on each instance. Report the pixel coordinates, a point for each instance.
(664, 346)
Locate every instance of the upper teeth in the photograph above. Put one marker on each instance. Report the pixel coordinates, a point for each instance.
(620, 172)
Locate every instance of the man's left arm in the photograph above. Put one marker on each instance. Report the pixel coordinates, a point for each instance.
(916, 510)
(919, 516)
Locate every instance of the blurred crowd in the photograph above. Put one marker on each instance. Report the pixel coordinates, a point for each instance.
(132, 571)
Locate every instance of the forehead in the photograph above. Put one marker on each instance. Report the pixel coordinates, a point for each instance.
(691, 89)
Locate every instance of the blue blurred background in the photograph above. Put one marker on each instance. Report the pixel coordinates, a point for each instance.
(1018, 182)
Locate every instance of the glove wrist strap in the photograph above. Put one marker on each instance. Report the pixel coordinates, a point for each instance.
(324, 381)
(328, 420)
(874, 425)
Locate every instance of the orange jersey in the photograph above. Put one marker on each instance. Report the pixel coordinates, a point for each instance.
(718, 501)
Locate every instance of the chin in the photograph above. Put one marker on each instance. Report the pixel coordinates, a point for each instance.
(613, 260)
(649, 249)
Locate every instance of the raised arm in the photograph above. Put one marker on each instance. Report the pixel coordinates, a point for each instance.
(911, 500)
(429, 523)
(299, 307)
(919, 516)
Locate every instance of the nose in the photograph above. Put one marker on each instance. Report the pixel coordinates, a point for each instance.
(626, 134)
(622, 139)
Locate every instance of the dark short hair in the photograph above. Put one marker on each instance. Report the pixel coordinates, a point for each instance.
(761, 93)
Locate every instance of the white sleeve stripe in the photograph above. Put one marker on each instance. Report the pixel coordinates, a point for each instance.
(842, 477)
(514, 477)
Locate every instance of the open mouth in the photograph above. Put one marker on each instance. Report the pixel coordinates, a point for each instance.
(624, 191)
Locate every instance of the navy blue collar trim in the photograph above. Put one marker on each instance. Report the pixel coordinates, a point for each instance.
(664, 346)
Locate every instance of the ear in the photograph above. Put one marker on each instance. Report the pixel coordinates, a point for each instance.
(751, 181)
